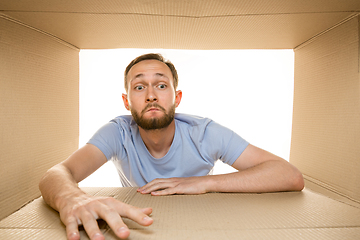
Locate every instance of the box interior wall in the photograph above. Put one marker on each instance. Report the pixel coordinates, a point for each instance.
(39, 76)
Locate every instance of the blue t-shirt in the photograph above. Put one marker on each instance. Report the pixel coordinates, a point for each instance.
(197, 144)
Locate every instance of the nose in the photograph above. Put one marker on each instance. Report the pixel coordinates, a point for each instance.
(151, 96)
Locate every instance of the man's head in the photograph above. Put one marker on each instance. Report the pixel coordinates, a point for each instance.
(151, 56)
(151, 97)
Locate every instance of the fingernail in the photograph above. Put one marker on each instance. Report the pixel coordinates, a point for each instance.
(72, 235)
(147, 218)
(122, 229)
(96, 235)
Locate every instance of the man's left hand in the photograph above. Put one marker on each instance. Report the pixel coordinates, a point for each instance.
(169, 186)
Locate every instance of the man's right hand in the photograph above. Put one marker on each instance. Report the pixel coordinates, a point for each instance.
(59, 189)
(84, 210)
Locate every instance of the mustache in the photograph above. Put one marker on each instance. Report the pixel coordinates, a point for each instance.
(153, 105)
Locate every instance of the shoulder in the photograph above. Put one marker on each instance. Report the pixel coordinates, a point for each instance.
(196, 123)
(121, 125)
(202, 128)
(197, 127)
(192, 120)
(124, 122)
(112, 136)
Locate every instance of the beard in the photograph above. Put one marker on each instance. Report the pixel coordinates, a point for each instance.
(154, 123)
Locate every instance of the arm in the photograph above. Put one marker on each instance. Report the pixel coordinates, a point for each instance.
(59, 189)
(259, 171)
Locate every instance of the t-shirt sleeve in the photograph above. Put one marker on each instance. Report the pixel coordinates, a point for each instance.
(222, 143)
(108, 139)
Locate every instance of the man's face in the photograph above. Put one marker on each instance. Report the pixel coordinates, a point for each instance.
(151, 95)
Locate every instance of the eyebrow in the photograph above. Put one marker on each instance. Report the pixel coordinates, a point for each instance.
(140, 75)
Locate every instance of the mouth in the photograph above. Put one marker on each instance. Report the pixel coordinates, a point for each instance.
(153, 109)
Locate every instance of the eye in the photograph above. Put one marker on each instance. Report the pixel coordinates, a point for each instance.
(162, 86)
(139, 87)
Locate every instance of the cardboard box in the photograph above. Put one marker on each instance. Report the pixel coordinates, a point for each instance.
(39, 68)
(290, 215)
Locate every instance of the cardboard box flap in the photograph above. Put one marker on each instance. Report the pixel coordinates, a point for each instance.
(39, 107)
(326, 119)
(182, 24)
(199, 8)
(290, 215)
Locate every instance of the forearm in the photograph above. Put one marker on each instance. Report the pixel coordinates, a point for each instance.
(269, 176)
(56, 185)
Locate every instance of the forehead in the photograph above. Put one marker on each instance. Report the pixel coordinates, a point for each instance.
(149, 67)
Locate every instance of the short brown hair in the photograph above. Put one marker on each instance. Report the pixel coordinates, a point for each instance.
(151, 56)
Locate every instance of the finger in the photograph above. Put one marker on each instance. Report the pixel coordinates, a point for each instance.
(114, 220)
(160, 187)
(143, 188)
(91, 226)
(164, 192)
(72, 230)
(136, 214)
(147, 211)
(154, 182)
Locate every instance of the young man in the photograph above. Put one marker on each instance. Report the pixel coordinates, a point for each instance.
(162, 153)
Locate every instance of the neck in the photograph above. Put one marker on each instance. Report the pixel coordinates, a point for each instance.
(158, 141)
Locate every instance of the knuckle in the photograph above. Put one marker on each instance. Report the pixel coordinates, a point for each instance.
(69, 216)
(109, 200)
(86, 216)
(69, 219)
(107, 211)
(130, 210)
(92, 203)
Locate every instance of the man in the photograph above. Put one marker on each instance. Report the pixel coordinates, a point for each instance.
(162, 153)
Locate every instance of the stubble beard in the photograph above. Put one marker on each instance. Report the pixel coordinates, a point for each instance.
(154, 123)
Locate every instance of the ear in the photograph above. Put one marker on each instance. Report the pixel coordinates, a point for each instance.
(178, 97)
(126, 102)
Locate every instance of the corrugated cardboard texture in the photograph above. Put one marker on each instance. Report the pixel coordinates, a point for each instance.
(292, 215)
(201, 24)
(39, 107)
(326, 121)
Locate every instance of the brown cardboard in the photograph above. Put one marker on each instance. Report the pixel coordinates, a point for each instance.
(39, 109)
(326, 120)
(201, 24)
(290, 215)
(39, 44)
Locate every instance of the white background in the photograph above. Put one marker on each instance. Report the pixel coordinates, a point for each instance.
(248, 91)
